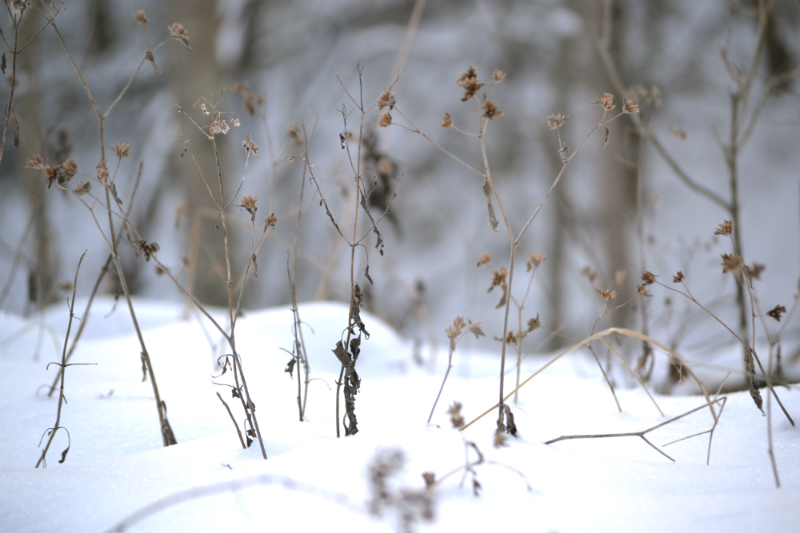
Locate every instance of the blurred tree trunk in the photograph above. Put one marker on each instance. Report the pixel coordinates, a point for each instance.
(194, 78)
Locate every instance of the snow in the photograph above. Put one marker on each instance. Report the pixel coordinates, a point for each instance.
(313, 481)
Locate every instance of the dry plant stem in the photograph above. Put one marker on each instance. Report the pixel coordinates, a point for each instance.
(237, 362)
(166, 432)
(103, 272)
(641, 434)
(236, 425)
(56, 426)
(446, 374)
(752, 351)
(599, 335)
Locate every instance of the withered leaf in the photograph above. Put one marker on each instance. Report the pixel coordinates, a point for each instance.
(341, 354)
(487, 192)
(608, 131)
(290, 367)
(64, 455)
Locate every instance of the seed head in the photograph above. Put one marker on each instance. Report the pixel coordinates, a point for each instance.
(556, 120)
(270, 221)
(607, 295)
(469, 82)
(724, 229)
(535, 260)
(68, 170)
(642, 289)
(588, 273)
(219, 126)
(534, 323)
(484, 259)
(455, 415)
(385, 120)
(447, 122)
(35, 162)
(630, 108)
(122, 150)
(386, 99)
(754, 272)
(605, 101)
(498, 277)
(249, 203)
(81, 188)
(648, 277)
(731, 263)
(490, 109)
(102, 170)
(140, 17)
(678, 278)
(498, 76)
(456, 329)
(179, 33)
(250, 146)
(430, 479)
(776, 312)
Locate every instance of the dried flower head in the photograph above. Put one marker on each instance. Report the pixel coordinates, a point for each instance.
(534, 323)
(469, 82)
(648, 277)
(607, 295)
(605, 101)
(490, 109)
(235, 123)
(776, 312)
(630, 108)
(556, 120)
(678, 133)
(642, 289)
(19, 5)
(385, 120)
(270, 221)
(731, 263)
(447, 122)
(102, 170)
(250, 146)
(498, 76)
(68, 170)
(754, 272)
(534, 260)
(386, 99)
(249, 203)
(51, 173)
(35, 162)
(498, 277)
(147, 248)
(678, 278)
(81, 188)
(724, 229)
(455, 415)
(588, 273)
(456, 329)
(219, 126)
(122, 150)
(140, 17)
(430, 479)
(484, 259)
(179, 33)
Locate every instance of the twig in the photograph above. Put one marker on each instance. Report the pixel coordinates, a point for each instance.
(244, 447)
(52, 431)
(641, 434)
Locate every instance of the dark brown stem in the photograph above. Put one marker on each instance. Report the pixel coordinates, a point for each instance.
(56, 426)
(244, 447)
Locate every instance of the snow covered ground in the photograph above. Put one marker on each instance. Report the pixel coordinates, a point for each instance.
(313, 481)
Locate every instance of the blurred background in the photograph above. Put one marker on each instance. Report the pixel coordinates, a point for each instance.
(618, 210)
